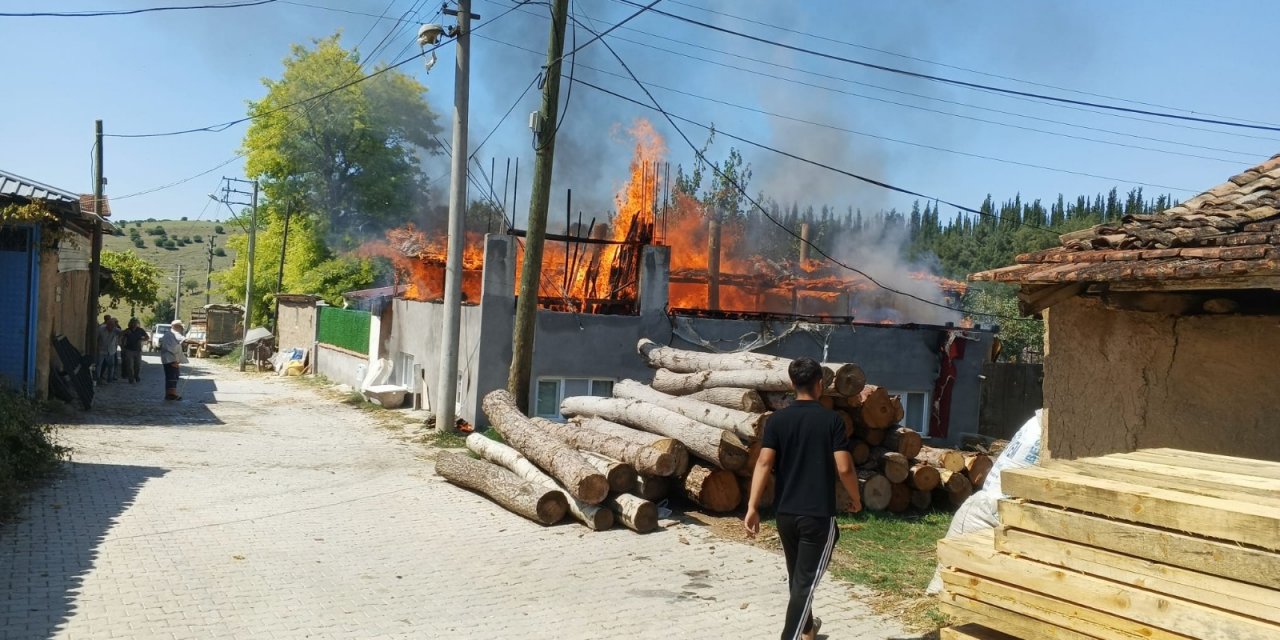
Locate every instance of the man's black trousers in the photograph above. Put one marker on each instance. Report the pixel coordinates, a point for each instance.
(807, 543)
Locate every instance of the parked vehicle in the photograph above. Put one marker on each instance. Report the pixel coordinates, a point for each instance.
(160, 331)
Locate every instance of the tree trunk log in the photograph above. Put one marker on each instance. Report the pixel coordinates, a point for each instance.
(904, 440)
(948, 459)
(777, 400)
(540, 504)
(683, 384)
(847, 379)
(596, 518)
(748, 400)
(645, 459)
(873, 437)
(636, 514)
(956, 487)
(721, 447)
(653, 488)
(766, 500)
(898, 412)
(663, 444)
(899, 497)
(745, 425)
(893, 465)
(924, 477)
(877, 407)
(921, 500)
(712, 489)
(861, 452)
(977, 466)
(685, 361)
(621, 476)
(876, 490)
(753, 455)
(848, 421)
(554, 456)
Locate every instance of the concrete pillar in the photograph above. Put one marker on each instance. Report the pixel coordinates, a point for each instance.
(655, 280)
(497, 322)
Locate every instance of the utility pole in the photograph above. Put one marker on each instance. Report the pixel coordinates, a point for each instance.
(208, 276)
(95, 260)
(284, 244)
(177, 296)
(447, 380)
(531, 275)
(248, 285)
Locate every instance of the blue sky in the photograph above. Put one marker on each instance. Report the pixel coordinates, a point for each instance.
(166, 71)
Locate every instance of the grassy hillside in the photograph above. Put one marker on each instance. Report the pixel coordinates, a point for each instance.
(193, 256)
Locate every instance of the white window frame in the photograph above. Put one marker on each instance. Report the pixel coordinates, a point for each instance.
(560, 384)
(928, 408)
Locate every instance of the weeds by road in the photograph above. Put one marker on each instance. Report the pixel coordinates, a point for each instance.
(28, 451)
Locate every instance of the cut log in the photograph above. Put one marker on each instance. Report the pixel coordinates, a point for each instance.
(685, 361)
(645, 459)
(636, 514)
(753, 455)
(924, 477)
(873, 437)
(827, 402)
(748, 400)
(898, 412)
(716, 445)
(766, 500)
(540, 504)
(596, 518)
(977, 466)
(955, 485)
(847, 379)
(948, 459)
(777, 400)
(848, 422)
(892, 465)
(899, 497)
(877, 407)
(921, 500)
(653, 488)
(663, 444)
(904, 440)
(876, 490)
(683, 384)
(745, 425)
(712, 489)
(861, 452)
(555, 457)
(621, 476)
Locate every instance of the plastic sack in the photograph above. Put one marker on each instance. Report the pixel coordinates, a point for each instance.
(1022, 451)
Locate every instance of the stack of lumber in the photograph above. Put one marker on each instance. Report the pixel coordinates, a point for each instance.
(1159, 543)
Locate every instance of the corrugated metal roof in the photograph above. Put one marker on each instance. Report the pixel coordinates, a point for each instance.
(15, 186)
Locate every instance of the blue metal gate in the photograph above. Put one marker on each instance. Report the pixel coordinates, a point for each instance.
(19, 263)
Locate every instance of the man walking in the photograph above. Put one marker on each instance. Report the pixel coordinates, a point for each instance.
(171, 357)
(108, 344)
(805, 446)
(131, 342)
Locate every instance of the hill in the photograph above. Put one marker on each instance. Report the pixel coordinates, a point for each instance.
(193, 254)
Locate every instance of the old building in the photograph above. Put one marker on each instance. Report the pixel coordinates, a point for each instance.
(1164, 330)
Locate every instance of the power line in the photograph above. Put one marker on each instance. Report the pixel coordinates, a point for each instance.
(777, 27)
(178, 182)
(129, 12)
(505, 115)
(643, 8)
(956, 82)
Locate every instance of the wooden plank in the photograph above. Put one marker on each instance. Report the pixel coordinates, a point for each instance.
(1168, 547)
(1186, 483)
(1254, 468)
(1237, 480)
(1230, 595)
(1235, 520)
(1051, 611)
(972, 632)
(976, 554)
(1199, 284)
(1009, 622)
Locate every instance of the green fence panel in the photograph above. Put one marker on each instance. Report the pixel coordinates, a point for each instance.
(345, 328)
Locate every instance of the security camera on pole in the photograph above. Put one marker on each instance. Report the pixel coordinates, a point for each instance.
(445, 400)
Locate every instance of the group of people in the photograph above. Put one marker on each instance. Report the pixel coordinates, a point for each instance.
(120, 353)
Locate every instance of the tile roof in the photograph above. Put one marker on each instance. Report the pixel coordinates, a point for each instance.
(87, 205)
(1231, 230)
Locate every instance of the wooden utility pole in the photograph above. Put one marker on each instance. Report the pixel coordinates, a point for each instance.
(208, 276)
(284, 245)
(713, 260)
(248, 281)
(95, 258)
(531, 275)
(177, 296)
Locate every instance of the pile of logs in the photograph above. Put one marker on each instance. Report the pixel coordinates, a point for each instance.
(695, 432)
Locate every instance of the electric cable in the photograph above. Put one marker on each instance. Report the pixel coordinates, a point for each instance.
(129, 12)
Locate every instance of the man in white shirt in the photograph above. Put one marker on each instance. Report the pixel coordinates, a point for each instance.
(171, 357)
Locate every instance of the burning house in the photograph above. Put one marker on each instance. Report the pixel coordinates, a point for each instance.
(664, 269)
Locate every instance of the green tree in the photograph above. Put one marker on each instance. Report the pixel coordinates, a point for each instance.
(1001, 301)
(350, 159)
(220, 252)
(161, 313)
(218, 230)
(134, 281)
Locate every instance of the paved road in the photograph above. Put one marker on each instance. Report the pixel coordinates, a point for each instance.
(258, 508)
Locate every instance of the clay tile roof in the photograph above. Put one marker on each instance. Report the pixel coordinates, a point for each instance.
(1232, 229)
(87, 205)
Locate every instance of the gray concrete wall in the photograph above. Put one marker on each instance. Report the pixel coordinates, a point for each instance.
(414, 328)
(339, 365)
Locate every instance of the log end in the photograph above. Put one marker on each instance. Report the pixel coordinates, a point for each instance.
(551, 507)
(592, 489)
(732, 452)
(645, 518)
(601, 520)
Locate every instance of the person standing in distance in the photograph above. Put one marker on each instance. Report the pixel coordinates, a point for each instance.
(172, 357)
(805, 447)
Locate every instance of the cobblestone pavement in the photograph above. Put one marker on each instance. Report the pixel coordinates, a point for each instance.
(259, 508)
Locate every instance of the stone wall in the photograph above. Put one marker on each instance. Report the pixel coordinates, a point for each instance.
(1125, 380)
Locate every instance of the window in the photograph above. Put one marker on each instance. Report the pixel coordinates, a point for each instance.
(406, 375)
(553, 390)
(916, 409)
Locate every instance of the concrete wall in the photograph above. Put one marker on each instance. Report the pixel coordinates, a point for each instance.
(339, 365)
(414, 328)
(1126, 380)
(297, 324)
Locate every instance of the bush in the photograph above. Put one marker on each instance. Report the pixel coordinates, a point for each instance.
(220, 252)
(184, 218)
(140, 243)
(156, 231)
(197, 239)
(27, 450)
(217, 230)
(186, 239)
(160, 242)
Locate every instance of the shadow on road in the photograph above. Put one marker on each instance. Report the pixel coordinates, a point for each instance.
(122, 403)
(47, 553)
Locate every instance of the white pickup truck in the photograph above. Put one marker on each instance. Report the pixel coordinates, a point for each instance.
(161, 330)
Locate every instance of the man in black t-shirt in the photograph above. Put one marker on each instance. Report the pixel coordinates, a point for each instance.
(806, 448)
(131, 342)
